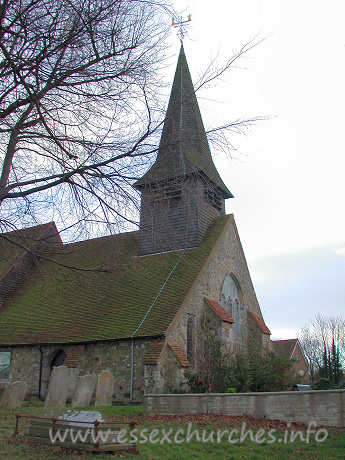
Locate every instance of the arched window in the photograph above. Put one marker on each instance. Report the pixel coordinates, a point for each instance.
(191, 339)
(59, 358)
(230, 301)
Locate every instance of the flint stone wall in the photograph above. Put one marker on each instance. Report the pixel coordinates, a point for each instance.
(99, 356)
(227, 259)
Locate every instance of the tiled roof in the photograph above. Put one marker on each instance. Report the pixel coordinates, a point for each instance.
(183, 149)
(285, 347)
(182, 358)
(219, 310)
(260, 323)
(153, 353)
(73, 356)
(14, 245)
(60, 304)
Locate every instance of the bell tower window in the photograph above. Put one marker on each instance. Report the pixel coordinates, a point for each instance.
(213, 196)
(171, 190)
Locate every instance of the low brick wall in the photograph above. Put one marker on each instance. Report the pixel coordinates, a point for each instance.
(326, 407)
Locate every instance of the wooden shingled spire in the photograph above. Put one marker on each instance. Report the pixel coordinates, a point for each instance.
(182, 192)
(183, 149)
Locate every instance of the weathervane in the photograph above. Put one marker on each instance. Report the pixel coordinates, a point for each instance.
(182, 28)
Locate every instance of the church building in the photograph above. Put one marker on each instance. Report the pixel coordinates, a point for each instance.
(133, 303)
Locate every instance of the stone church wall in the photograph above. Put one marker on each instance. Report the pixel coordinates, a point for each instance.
(114, 356)
(25, 365)
(166, 376)
(228, 259)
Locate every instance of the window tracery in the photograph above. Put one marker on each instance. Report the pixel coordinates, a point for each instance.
(230, 301)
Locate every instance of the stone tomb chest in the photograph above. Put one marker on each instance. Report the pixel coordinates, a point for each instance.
(84, 430)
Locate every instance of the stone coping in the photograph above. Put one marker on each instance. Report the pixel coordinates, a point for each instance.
(275, 393)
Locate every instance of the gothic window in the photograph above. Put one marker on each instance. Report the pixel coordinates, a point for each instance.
(230, 301)
(191, 339)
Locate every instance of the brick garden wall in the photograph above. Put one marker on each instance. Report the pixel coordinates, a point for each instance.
(325, 407)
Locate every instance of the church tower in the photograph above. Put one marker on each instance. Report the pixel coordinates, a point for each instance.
(182, 192)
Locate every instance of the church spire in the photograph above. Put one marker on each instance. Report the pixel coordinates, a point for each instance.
(182, 192)
(183, 149)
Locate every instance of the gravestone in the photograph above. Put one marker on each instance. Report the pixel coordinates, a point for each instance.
(59, 384)
(83, 393)
(104, 391)
(81, 430)
(13, 396)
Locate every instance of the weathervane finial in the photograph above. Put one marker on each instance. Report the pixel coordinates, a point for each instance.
(182, 26)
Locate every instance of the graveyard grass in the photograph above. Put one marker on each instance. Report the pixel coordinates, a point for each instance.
(14, 448)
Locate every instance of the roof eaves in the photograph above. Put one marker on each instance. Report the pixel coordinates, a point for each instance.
(219, 310)
(260, 323)
(153, 353)
(181, 357)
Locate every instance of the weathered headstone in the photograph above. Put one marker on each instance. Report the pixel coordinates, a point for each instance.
(60, 381)
(83, 393)
(104, 391)
(13, 396)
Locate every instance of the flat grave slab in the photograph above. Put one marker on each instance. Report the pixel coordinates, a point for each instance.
(79, 429)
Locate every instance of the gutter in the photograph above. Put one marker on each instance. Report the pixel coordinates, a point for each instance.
(40, 373)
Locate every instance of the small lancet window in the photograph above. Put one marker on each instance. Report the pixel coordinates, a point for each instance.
(191, 340)
(230, 301)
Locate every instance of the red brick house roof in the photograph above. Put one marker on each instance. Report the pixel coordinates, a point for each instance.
(285, 347)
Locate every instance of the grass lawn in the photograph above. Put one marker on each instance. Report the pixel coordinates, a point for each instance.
(179, 427)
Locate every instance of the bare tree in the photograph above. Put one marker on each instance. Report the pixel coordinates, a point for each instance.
(80, 112)
(312, 351)
(323, 345)
(78, 90)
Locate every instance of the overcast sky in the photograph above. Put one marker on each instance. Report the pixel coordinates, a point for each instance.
(287, 174)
